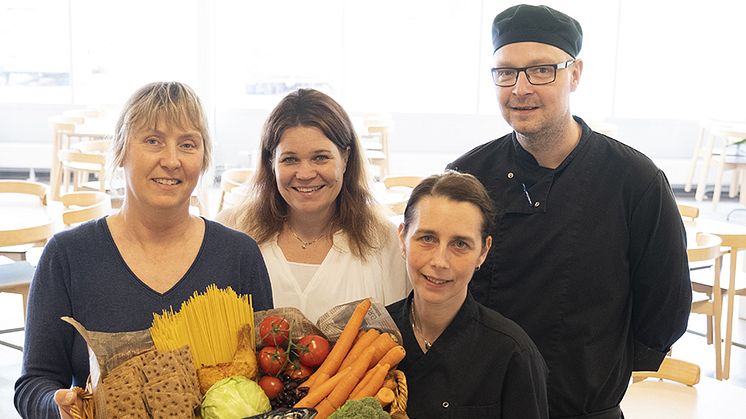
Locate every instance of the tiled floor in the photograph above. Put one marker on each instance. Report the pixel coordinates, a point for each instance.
(690, 347)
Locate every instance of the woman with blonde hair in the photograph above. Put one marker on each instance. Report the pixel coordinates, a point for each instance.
(323, 236)
(113, 273)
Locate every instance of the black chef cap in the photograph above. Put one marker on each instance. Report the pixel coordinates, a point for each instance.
(524, 23)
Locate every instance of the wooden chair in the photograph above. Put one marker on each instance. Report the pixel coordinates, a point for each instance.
(734, 243)
(671, 369)
(706, 249)
(374, 138)
(16, 277)
(399, 187)
(688, 211)
(81, 160)
(25, 187)
(63, 135)
(84, 206)
(715, 146)
(11, 241)
(229, 180)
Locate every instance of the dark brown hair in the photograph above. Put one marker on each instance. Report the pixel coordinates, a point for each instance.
(459, 187)
(357, 212)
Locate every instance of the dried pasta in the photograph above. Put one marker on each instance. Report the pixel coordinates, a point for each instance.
(208, 323)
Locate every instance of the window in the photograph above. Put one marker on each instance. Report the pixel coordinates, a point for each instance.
(35, 62)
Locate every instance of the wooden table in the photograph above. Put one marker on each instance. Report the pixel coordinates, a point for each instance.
(710, 399)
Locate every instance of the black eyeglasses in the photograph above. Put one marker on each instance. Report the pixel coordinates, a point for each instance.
(535, 74)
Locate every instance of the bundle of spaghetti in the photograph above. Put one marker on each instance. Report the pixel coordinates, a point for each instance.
(208, 323)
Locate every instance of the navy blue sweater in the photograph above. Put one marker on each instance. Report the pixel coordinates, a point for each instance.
(82, 274)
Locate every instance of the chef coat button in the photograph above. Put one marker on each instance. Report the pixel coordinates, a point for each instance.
(536, 204)
(446, 404)
(510, 175)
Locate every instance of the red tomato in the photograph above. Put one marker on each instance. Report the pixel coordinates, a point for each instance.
(272, 359)
(298, 370)
(312, 350)
(272, 386)
(274, 330)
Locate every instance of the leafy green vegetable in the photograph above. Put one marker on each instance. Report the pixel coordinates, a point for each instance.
(234, 398)
(365, 408)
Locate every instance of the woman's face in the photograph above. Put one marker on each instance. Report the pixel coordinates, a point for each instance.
(309, 170)
(443, 247)
(162, 165)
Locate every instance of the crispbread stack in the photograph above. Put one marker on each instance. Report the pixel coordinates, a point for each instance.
(152, 384)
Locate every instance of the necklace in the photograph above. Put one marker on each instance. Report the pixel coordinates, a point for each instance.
(304, 244)
(416, 329)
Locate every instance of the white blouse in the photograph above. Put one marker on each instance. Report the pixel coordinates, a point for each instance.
(340, 278)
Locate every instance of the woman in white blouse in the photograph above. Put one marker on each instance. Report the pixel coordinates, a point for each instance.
(324, 238)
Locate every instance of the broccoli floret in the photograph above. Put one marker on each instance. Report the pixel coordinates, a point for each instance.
(365, 408)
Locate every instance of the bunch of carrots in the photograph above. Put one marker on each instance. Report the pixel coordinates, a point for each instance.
(356, 367)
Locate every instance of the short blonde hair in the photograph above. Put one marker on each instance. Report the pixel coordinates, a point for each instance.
(172, 102)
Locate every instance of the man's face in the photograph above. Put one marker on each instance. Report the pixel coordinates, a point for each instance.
(529, 109)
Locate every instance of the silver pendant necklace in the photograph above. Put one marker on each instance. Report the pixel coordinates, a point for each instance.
(416, 329)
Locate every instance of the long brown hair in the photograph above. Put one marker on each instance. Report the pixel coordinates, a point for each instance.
(262, 215)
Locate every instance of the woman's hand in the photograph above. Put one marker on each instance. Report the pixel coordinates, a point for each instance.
(66, 399)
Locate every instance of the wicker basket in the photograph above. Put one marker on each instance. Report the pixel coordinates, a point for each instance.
(398, 409)
(86, 398)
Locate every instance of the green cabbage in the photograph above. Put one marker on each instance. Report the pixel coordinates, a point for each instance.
(234, 398)
(365, 408)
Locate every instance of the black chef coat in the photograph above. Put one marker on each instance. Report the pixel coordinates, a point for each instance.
(589, 259)
(482, 366)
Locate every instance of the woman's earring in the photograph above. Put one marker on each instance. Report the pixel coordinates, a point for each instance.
(477, 268)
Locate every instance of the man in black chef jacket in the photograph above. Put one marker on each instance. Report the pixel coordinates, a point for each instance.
(589, 250)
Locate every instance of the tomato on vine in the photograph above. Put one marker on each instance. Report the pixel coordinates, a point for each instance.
(312, 350)
(272, 386)
(272, 359)
(274, 330)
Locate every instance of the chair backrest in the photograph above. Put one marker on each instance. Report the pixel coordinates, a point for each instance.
(688, 211)
(93, 151)
(672, 369)
(706, 247)
(70, 156)
(401, 181)
(25, 187)
(84, 206)
(232, 178)
(229, 181)
(30, 235)
(398, 189)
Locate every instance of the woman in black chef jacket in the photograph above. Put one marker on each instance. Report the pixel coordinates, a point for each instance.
(463, 360)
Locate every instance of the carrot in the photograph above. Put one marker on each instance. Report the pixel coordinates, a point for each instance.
(375, 383)
(365, 380)
(311, 380)
(342, 390)
(319, 392)
(366, 340)
(324, 409)
(385, 396)
(320, 379)
(344, 343)
(383, 344)
(394, 356)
